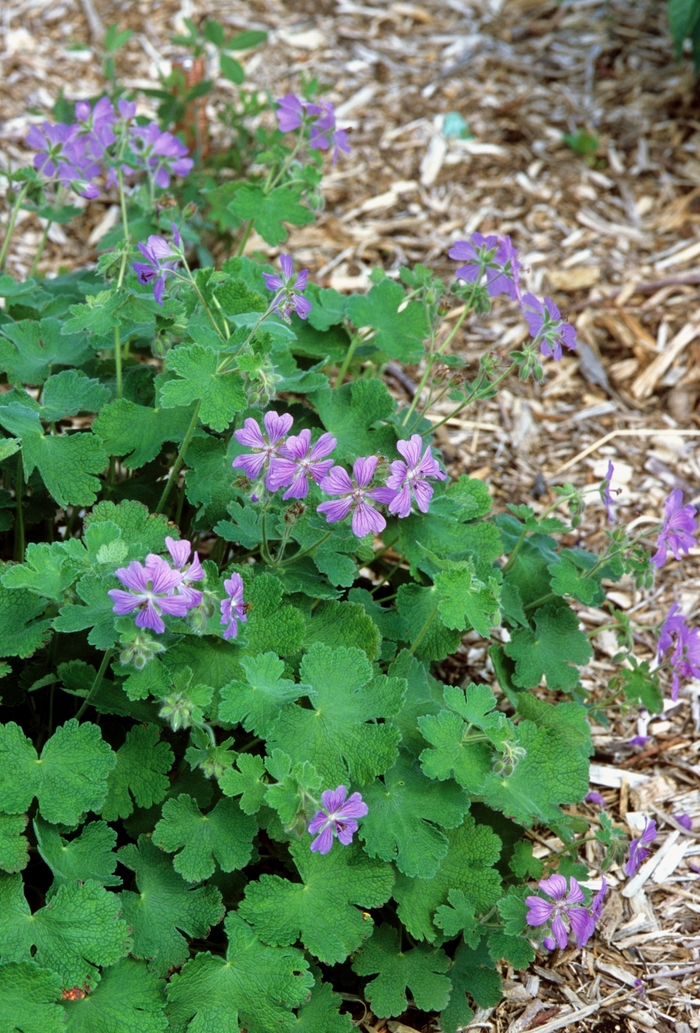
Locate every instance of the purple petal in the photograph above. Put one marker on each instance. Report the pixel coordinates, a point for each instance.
(273, 282)
(337, 482)
(250, 435)
(366, 520)
(134, 576)
(411, 449)
(287, 264)
(354, 807)
(323, 842)
(540, 910)
(423, 493)
(250, 464)
(560, 932)
(277, 426)
(555, 886)
(180, 551)
(346, 830)
(333, 799)
(335, 510)
(400, 505)
(363, 470)
(149, 618)
(124, 602)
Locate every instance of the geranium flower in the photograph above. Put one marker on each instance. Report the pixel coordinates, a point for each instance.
(638, 847)
(290, 112)
(151, 591)
(294, 112)
(562, 910)
(608, 500)
(337, 819)
(678, 530)
(547, 327)
(596, 798)
(265, 447)
(161, 260)
(408, 479)
(190, 573)
(297, 461)
(685, 659)
(492, 255)
(233, 609)
(288, 299)
(365, 518)
(161, 152)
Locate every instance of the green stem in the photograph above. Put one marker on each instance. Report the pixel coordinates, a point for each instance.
(306, 552)
(541, 600)
(96, 684)
(118, 360)
(19, 519)
(423, 631)
(264, 547)
(244, 239)
(347, 360)
(40, 249)
(432, 359)
(179, 461)
(11, 225)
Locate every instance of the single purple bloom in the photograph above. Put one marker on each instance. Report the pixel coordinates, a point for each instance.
(560, 910)
(161, 260)
(233, 609)
(288, 299)
(639, 740)
(507, 281)
(365, 519)
(95, 124)
(191, 572)
(547, 327)
(297, 460)
(336, 819)
(685, 820)
(265, 447)
(685, 659)
(160, 152)
(408, 479)
(584, 922)
(127, 109)
(49, 140)
(678, 530)
(638, 851)
(151, 592)
(608, 500)
(290, 113)
(596, 798)
(324, 133)
(493, 255)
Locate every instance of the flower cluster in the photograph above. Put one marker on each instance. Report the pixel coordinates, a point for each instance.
(336, 819)
(678, 530)
(101, 140)
(155, 587)
(685, 642)
(278, 461)
(492, 262)
(638, 847)
(294, 112)
(563, 910)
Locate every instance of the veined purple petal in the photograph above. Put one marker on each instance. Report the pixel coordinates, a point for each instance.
(560, 931)
(277, 426)
(363, 470)
(346, 830)
(335, 510)
(555, 886)
(411, 449)
(134, 576)
(149, 618)
(273, 282)
(250, 434)
(324, 841)
(124, 602)
(337, 482)
(333, 799)
(540, 910)
(287, 263)
(180, 551)
(366, 520)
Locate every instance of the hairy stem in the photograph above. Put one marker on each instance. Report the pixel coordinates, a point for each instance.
(96, 684)
(11, 225)
(179, 461)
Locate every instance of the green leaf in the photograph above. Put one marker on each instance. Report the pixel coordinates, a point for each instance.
(98, 612)
(224, 834)
(71, 392)
(404, 811)
(523, 863)
(472, 972)
(466, 601)
(516, 950)
(294, 785)
(256, 986)
(337, 733)
(641, 685)
(137, 432)
(269, 211)
(420, 970)
(78, 930)
(355, 415)
(222, 395)
(231, 69)
(89, 856)
(513, 910)
(468, 866)
(398, 333)
(319, 910)
(138, 526)
(683, 17)
(164, 907)
(13, 845)
(245, 780)
(114, 38)
(569, 576)
(429, 638)
(28, 994)
(551, 650)
(8, 447)
(343, 624)
(20, 634)
(257, 702)
(320, 1013)
(246, 40)
(141, 772)
(458, 917)
(70, 778)
(29, 349)
(129, 999)
(48, 571)
(66, 462)
(424, 696)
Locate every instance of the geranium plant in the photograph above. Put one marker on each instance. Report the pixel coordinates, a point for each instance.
(233, 783)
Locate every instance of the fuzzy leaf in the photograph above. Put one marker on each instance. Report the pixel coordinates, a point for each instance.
(449, 755)
(13, 846)
(257, 702)
(320, 1013)
(458, 917)
(398, 333)
(29, 349)
(48, 571)
(429, 638)
(554, 650)
(20, 634)
(468, 866)
(245, 780)
(516, 950)
(471, 972)
(79, 929)
(222, 395)
(97, 614)
(138, 432)
(355, 415)
(293, 785)
(70, 778)
(138, 526)
(224, 834)
(69, 393)
(128, 999)
(164, 907)
(256, 986)
(28, 994)
(141, 772)
(89, 856)
(319, 910)
(467, 602)
(343, 624)
(340, 733)
(404, 811)
(420, 969)
(424, 696)
(269, 211)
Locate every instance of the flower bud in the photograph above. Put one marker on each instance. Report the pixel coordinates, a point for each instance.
(138, 649)
(177, 709)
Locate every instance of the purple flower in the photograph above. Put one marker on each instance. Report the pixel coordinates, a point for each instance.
(365, 518)
(336, 819)
(296, 463)
(492, 255)
(190, 573)
(685, 820)
(562, 910)
(408, 479)
(265, 447)
(608, 500)
(547, 327)
(96, 124)
(160, 152)
(290, 113)
(678, 530)
(638, 851)
(293, 112)
(62, 155)
(151, 592)
(685, 659)
(639, 740)
(161, 260)
(287, 286)
(233, 609)
(596, 798)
